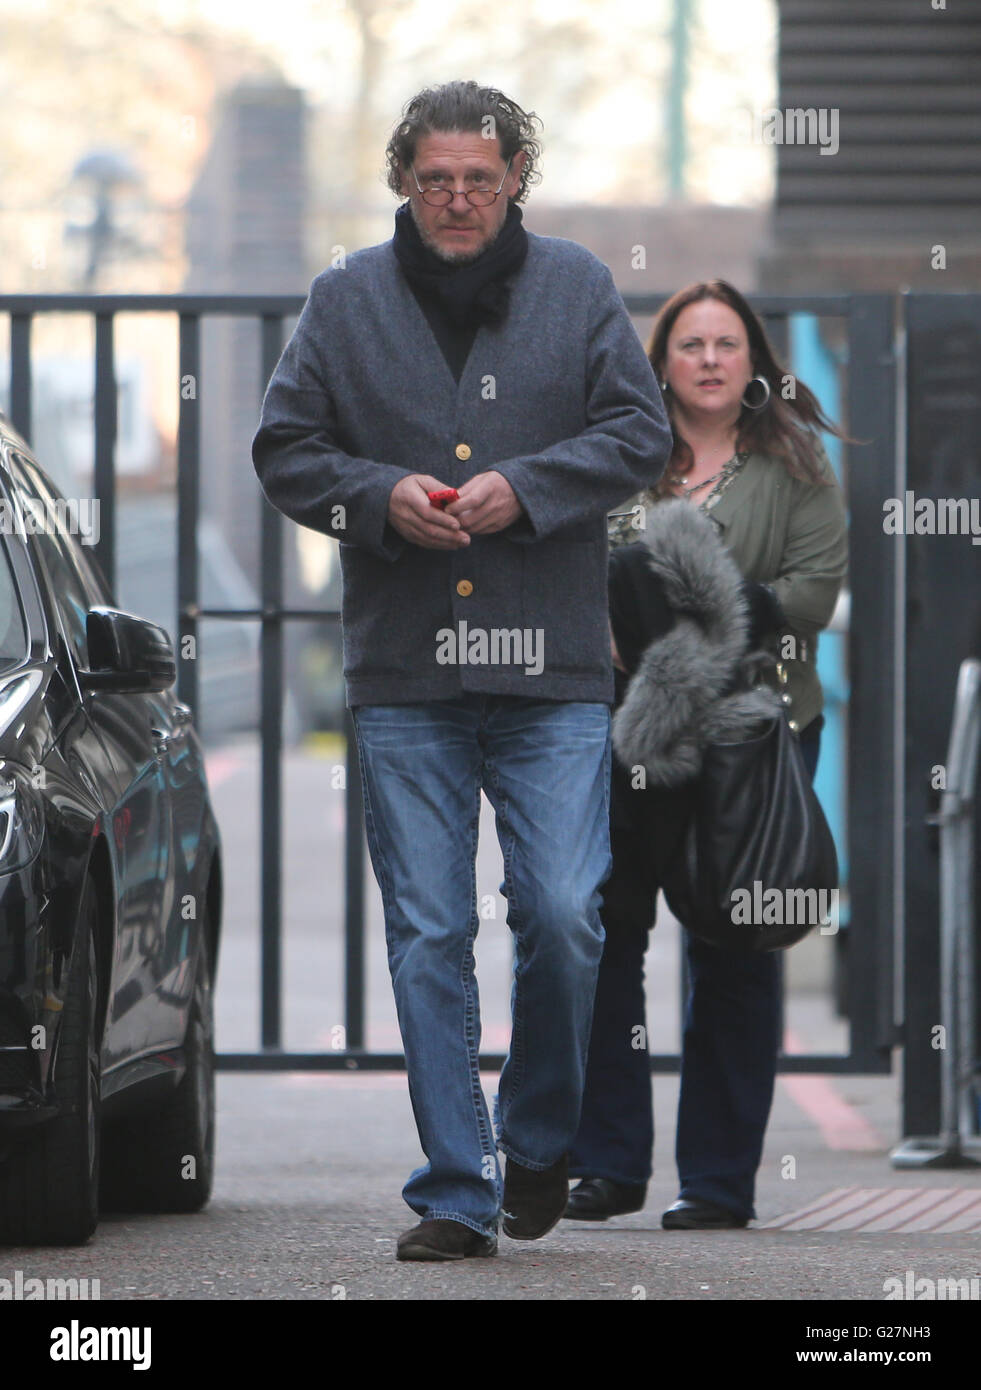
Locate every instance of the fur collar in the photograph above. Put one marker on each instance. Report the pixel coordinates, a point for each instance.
(676, 701)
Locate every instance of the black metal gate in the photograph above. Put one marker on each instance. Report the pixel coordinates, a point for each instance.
(875, 791)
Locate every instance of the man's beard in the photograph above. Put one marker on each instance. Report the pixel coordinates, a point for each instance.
(451, 257)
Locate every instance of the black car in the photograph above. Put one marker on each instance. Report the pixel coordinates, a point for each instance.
(110, 892)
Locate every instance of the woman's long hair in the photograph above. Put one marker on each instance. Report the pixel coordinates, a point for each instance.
(784, 429)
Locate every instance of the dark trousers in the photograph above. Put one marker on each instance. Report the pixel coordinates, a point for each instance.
(732, 1026)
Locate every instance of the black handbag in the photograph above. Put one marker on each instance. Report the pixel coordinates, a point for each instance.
(757, 869)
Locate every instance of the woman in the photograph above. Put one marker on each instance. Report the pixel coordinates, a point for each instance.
(747, 456)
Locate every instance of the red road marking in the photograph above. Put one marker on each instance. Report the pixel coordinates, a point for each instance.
(840, 1124)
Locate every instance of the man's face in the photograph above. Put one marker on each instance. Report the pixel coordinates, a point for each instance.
(458, 160)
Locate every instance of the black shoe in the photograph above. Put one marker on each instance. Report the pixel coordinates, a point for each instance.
(444, 1240)
(597, 1199)
(693, 1214)
(534, 1200)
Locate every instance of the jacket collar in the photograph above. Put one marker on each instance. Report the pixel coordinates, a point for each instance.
(422, 342)
(736, 497)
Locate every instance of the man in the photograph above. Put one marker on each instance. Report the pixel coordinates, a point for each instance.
(467, 354)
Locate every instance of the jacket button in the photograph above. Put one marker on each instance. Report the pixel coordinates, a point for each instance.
(463, 451)
(793, 724)
(464, 588)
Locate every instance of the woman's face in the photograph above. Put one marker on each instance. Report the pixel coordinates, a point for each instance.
(707, 364)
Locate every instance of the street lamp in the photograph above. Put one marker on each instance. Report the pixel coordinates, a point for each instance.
(94, 181)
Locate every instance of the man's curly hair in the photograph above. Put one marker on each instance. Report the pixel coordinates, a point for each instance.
(464, 106)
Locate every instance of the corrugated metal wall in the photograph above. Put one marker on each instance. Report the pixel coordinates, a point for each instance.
(905, 79)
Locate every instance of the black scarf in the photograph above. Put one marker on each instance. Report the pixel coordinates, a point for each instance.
(472, 292)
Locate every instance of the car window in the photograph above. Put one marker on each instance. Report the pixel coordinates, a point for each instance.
(13, 630)
(82, 558)
(73, 581)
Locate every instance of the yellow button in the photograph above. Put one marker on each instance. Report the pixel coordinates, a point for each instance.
(463, 451)
(464, 588)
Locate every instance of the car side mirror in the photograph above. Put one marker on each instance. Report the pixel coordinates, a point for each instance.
(126, 653)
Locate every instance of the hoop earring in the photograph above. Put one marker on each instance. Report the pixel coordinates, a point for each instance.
(766, 397)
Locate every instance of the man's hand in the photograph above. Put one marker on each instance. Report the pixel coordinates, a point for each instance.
(486, 504)
(414, 516)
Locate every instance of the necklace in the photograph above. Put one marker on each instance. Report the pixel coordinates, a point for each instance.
(722, 479)
(689, 488)
(623, 524)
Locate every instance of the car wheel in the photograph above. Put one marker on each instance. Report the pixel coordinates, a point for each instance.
(163, 1160)
(49, 1184)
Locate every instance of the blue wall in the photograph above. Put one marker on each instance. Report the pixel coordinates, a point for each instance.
(814, 364)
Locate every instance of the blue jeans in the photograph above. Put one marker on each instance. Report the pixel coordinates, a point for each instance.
(545, 766)
(732, 1026)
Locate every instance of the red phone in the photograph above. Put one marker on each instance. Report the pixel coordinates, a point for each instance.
(440, 499)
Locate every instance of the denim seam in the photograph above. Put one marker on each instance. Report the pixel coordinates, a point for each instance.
(464, 1221)
(488, 1148)
(386, 885)
(517, 1051)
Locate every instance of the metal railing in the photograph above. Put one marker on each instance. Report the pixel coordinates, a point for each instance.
(871, 413)
(959, 1142)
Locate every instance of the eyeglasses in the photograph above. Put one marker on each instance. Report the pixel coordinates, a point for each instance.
(477, 197)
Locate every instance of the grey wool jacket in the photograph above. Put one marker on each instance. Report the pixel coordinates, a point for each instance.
(559, 397)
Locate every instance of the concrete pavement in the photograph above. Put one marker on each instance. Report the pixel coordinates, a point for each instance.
(307, 1198)
(307, 1206)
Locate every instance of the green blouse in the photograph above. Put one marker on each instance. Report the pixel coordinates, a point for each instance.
(780, 531)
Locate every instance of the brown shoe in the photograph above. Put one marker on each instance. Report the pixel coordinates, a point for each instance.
(444, 1240)
(534, 1199)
